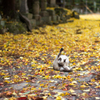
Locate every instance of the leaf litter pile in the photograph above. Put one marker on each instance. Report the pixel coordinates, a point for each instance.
(26, 71)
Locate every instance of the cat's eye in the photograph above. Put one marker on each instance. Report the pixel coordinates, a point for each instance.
(59, 59)
(64, 60)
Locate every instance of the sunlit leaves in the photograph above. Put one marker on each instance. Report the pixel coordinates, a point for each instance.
(83, 86)
(29, 59)
(72, 92)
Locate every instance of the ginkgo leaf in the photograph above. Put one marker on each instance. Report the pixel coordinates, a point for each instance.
(58, 98)
(12, 98)
(61, 94)
(92, 80)
(83, 86)
(45, 97)
(84, 94)
(97, 86)
(6, 81)
(73, 92)
(71, 84)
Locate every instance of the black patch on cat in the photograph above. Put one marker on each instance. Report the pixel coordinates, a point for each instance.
(59, 59)
(64, 60)
(60, 65)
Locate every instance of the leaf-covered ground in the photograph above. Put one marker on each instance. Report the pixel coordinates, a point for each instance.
(26, 71)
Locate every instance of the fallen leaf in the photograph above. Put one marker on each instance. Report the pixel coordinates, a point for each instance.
(83, 86)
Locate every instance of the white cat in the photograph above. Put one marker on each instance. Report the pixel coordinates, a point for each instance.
(61, 62)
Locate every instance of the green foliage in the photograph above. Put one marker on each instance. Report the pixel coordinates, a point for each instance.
(75, 14)
(2, 25)
(16, 27)
(2, 22)
(60, 10)
(94, 5)
(51, 12)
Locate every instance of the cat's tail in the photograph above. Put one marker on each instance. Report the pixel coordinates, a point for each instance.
(60, 51)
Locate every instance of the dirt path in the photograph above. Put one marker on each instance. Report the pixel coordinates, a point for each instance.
(90, 16)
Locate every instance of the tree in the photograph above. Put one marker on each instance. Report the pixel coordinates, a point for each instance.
(24, 7)
(30, 5)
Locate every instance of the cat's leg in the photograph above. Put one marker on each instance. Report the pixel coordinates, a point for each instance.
(67, 68)
(55, 65)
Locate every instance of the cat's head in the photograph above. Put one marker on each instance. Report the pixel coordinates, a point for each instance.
(62, 59)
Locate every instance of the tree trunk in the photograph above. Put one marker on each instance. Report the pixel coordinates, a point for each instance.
(24, 7)
(52, 3)
(27, 21)
(36, 9)
(64, 3)
(73, 3)
(30, 5)
(43, 5)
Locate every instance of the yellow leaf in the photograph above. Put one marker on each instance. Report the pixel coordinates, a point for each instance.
(2, 73)
(47, 77)
(67, 93)
(45, 97)
(43, 59)
(79, 69)
(39, 88)
(83, 86)
(72, 84)
(71, 90)
(61, 94)
(33, 88)
(58, 98)
(16, 76)
(33, 61)
(97, 86)
(92, 80)
(41, 84)
(6, 81)
(23, 74)
(84, 94)
(12, 98)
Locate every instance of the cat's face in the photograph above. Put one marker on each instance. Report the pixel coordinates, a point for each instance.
(62, 60)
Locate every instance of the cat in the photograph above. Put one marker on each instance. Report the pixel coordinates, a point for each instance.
(61, 63)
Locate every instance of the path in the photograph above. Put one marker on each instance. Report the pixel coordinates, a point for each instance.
(26, 63)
